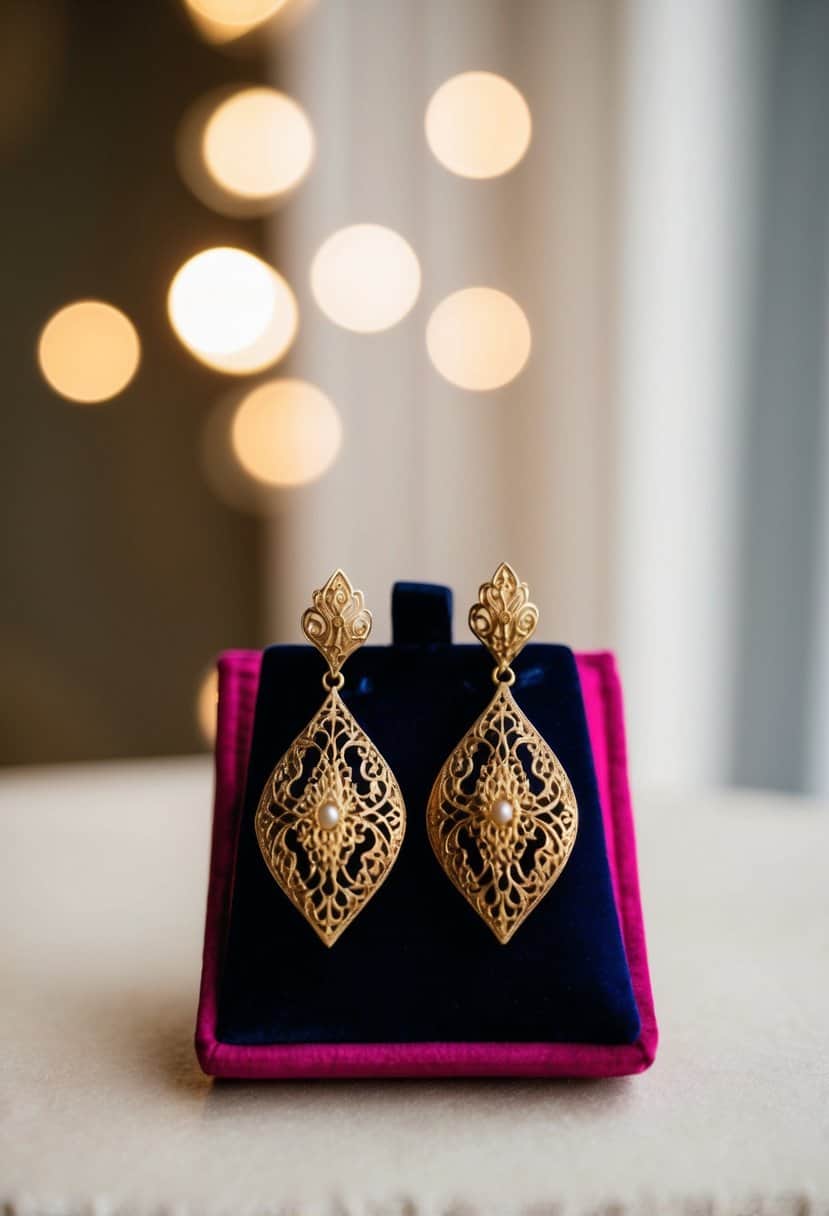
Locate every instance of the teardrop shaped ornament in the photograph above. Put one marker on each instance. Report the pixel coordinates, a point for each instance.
(330, 820)
(502, 816)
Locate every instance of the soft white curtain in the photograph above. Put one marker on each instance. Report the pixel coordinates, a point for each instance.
(616, 472)
(435, 482)
(689, 146)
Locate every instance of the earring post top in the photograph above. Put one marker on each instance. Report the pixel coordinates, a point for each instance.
(503, 618)
(337, 622)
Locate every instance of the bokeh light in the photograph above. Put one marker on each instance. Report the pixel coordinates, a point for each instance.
(226, 20)
(365, 278)
(286, 433)
(257, 144)
(89, 351)
(189, 150)
(478, 125)
(207, 700)
(478, 338)
(222, 471)
(232, 310)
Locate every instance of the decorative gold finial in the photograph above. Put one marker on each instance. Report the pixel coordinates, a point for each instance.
(503, 619)
(337, 622)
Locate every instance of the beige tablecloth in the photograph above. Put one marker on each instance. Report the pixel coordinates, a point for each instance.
(103, 1108)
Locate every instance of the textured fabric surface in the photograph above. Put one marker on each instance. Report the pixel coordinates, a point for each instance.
(103, 1108)
(421, 614)
(418, 966)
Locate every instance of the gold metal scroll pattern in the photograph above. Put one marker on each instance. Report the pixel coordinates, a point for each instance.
(503, 618)
(502, 815)
(331, 818)
(337, 622)
(329, 873)
(503, 870)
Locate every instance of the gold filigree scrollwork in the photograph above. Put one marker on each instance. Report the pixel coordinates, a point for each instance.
(502, 866)
(503, 619)
(330, 866)
(338, 621)
(331, 818)
(502, 816)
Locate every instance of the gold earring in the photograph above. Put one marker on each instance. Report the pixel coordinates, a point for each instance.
(502, 816)
(331, 817)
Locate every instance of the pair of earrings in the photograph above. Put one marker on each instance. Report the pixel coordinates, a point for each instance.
(502, 816)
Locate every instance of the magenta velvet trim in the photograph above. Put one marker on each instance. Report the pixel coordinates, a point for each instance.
(238, 683)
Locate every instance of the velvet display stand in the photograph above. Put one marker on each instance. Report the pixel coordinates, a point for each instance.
(418, 985)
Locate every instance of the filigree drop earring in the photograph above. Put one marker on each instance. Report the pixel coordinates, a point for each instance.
(502, 816)
(331, 817)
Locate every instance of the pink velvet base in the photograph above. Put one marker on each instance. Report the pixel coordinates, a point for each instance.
(238, 682)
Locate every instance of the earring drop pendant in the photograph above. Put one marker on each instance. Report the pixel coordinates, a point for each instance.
(331, 817)
(502, 816)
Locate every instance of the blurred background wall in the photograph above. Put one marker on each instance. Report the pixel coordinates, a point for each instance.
(655, 468)
(122, 574)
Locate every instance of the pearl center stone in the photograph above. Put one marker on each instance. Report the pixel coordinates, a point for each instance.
(328, 815)
(501, 812)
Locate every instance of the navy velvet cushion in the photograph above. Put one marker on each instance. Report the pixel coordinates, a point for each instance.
(418, 964)
(421, 613)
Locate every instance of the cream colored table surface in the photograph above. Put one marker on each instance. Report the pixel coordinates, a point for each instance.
(103, 1108)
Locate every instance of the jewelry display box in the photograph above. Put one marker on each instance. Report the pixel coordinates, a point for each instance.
(418, 985)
